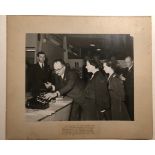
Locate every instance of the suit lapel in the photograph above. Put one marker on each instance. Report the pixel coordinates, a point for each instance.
(39, 67)
(65, 75)
(109, 80)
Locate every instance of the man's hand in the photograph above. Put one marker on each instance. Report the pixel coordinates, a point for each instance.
(49, 96)
(49, 85)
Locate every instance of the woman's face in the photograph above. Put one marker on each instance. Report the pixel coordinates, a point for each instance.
(106, 68)
(89, 67)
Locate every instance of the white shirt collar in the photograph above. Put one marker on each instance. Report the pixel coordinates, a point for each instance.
(41, 64)
(130, 67)
(62, 76)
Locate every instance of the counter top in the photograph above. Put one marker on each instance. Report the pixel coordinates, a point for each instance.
(54, 106)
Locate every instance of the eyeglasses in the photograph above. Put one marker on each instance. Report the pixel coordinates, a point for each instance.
(59, 69)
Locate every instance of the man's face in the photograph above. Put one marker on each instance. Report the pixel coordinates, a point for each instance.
(59, 68)
(41, 58)
(128, 62)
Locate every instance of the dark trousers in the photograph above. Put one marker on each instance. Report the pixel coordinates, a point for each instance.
(75, 114)
(87, 112)
(130, 106)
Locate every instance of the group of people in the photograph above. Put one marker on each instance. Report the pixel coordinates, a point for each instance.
(105, 96)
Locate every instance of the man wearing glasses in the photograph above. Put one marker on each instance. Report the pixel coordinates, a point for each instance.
(66, 83)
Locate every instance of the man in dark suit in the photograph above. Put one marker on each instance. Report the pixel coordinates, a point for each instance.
(129, 86)
(66, 83)
(41, 75)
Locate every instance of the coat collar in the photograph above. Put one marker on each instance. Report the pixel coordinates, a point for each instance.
(65, 74)
(93, 75)
(112, 76)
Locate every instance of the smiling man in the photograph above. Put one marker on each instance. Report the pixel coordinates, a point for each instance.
(67, 83)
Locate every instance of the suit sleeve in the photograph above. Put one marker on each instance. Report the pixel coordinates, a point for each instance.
(35, 84)
(71, 79)
(101, 94)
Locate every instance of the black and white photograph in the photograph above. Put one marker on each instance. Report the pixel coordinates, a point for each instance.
(79, 77)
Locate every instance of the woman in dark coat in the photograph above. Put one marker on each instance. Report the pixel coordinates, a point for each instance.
(117, 94)
(95, 98)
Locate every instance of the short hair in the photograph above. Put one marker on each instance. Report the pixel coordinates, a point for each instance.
(129, 57)
(41, 52)
(111, 63)
(59, 60)
(94, 62)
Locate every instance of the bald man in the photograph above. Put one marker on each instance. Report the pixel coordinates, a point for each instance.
(67, 83)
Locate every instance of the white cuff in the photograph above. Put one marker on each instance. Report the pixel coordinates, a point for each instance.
(58, 93)
(53, 87)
